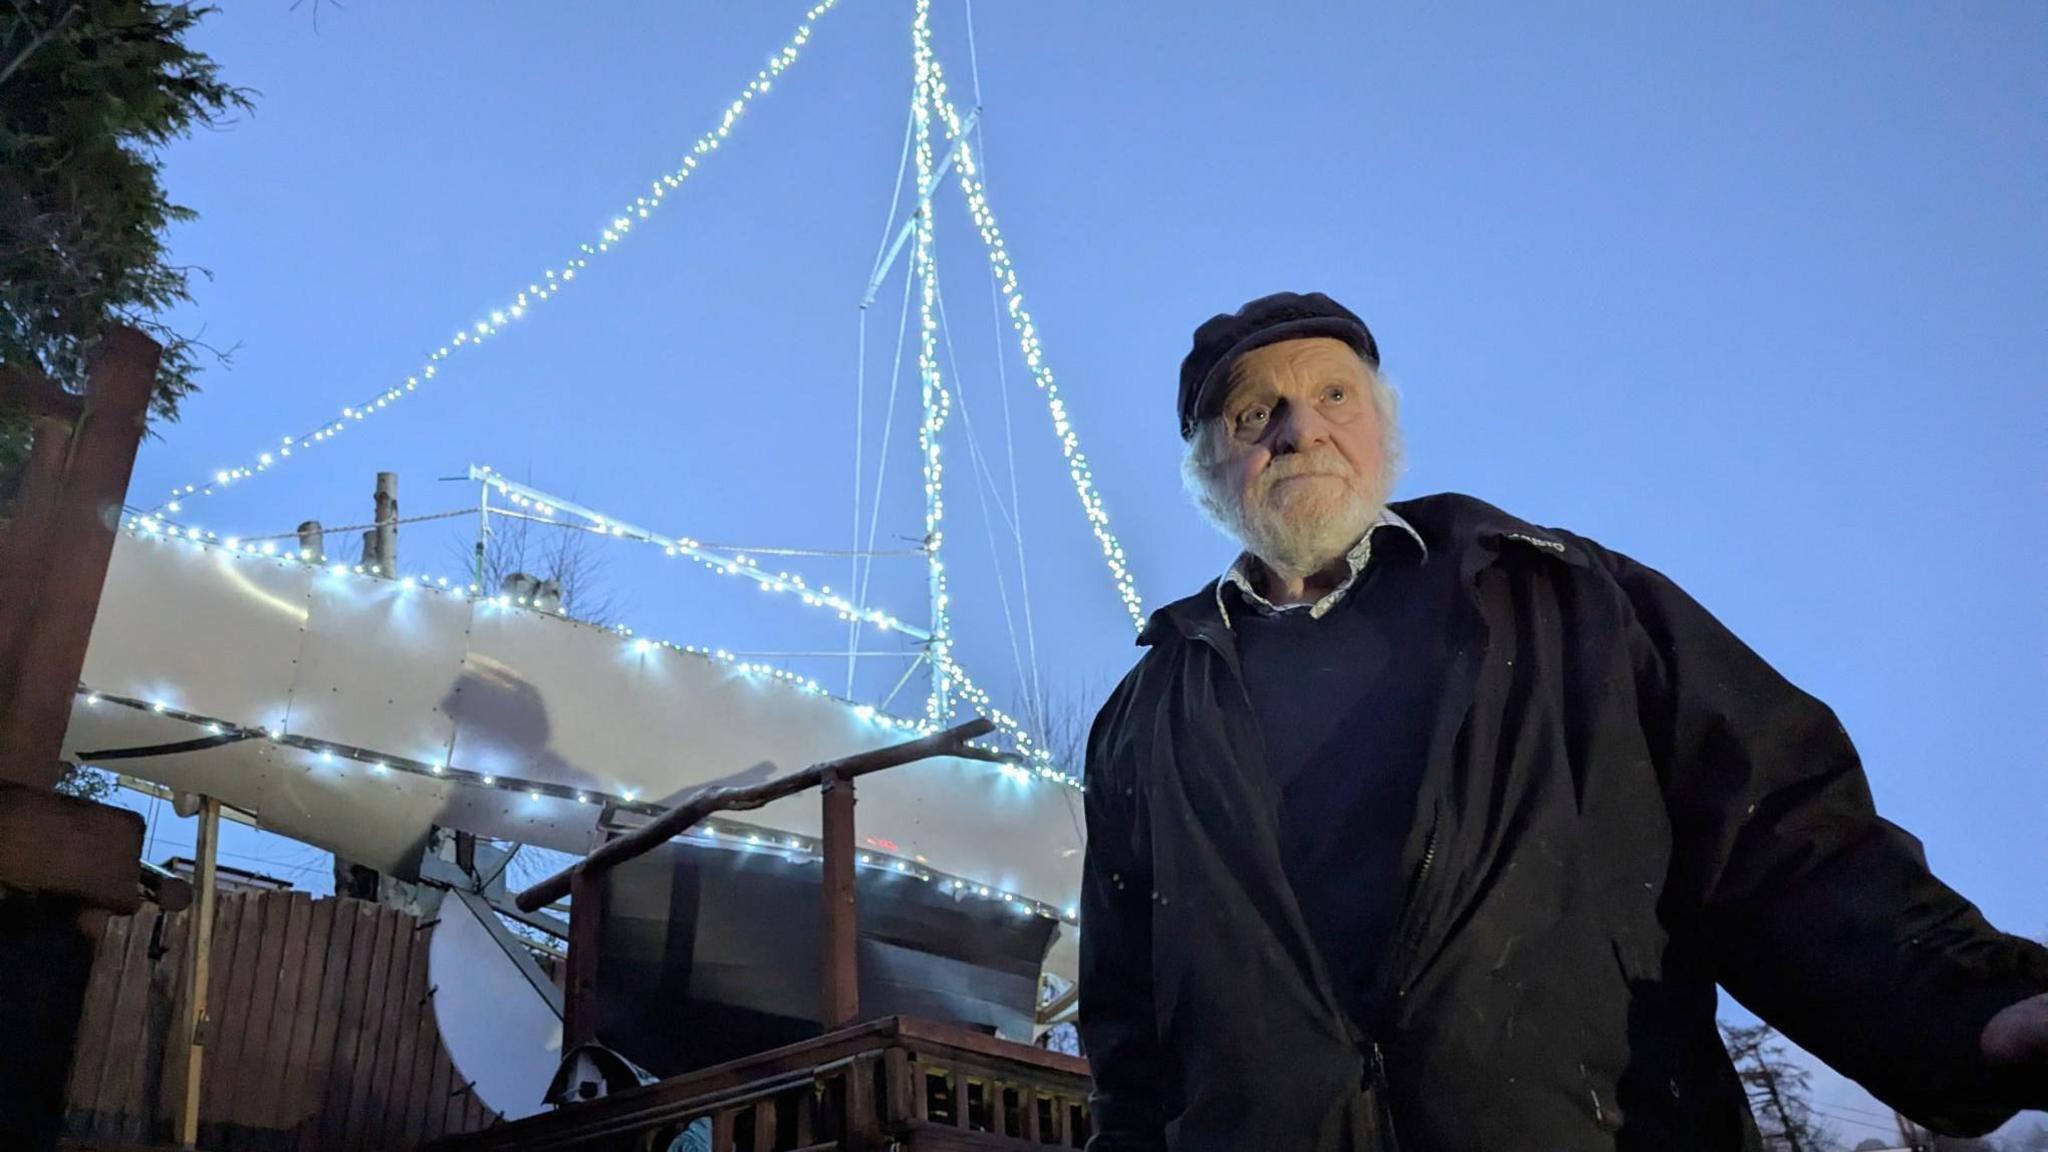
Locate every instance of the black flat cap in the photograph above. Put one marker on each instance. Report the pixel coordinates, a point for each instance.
(1268, 320)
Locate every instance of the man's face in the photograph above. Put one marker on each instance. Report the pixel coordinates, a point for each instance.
(1305, 451)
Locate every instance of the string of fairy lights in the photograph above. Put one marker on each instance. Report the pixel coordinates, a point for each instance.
(1036, 762)
(952, 687)
(550, 284)
(548, 506)
(931, 89)
(726, 833)
(937, 403)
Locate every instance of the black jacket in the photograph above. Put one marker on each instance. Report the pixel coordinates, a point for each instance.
(1622, 806)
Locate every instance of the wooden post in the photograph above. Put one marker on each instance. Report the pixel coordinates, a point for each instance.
(579, 983)
(26, 539)
(66, 862)
(190, 1033)
(59, 591)
(840, 965)
(387, 523)
(313, 540)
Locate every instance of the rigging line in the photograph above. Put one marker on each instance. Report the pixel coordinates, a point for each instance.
(511, 514)
(882, 457)
(860, 389)
(834, 653)
(896, 193)
(973, 58)
(293, 535)
(860, 407)
(983, 481)
(905, 679)
(1036, 699)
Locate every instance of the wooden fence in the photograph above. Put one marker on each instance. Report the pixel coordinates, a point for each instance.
(321, 1032)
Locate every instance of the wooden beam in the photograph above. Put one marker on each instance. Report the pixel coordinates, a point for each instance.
(65, 846)
(579, 982)
(71, 568)
(25, 539)
(187, 1041)
(840, 1002)
(29, 388)
(702, 803)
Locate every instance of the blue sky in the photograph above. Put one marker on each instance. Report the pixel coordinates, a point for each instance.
(1752, 293)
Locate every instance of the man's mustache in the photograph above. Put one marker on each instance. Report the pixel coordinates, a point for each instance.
(1297, 464)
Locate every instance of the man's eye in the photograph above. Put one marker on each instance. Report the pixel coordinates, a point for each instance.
(1336, 394)
(1254, 416)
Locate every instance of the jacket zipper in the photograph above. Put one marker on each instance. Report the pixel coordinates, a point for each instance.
(1375, 1056)
(1406, 980)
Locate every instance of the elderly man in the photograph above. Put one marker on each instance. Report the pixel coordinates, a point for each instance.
(1427, 827)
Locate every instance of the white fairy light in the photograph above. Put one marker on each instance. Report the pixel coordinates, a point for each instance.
(924, 270)
(544, 288)
(932, 87)
(737, 564)
(396, 766)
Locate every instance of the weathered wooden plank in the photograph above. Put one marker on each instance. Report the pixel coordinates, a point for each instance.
(434, 1117)
(311, 1098)
(140, 1047)
(168, 1085)
(426, 1049)
(764, 1125)
(375, 1058)
(118, 1093)
(229, 910)
(340, 1079)
(301, 1023)
(265, 1064)
(370, 1023)
(396, 1077)
(255, 1080)
(459, 1090)
(721, 1130)
(95, 1024)
(235, 1017)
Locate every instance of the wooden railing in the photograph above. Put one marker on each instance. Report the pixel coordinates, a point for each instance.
(897, 1081)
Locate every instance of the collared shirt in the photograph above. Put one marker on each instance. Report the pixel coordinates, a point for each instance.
(1239, 574)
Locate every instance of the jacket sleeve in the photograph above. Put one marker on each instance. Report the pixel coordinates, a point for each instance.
(1815, 912)
(1116, 1022)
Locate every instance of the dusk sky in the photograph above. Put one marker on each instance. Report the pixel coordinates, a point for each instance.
(1753, 293)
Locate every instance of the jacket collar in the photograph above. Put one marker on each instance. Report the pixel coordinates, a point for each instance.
(1240, 573)
(1449, 524)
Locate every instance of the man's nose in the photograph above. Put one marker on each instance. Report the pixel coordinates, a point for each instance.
(1298, 427)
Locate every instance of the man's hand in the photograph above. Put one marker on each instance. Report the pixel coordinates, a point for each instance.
(2018, 1036)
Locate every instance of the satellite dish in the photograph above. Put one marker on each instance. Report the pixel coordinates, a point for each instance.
(500, 1032)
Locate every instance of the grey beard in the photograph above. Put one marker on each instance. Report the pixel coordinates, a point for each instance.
(1302, 548)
